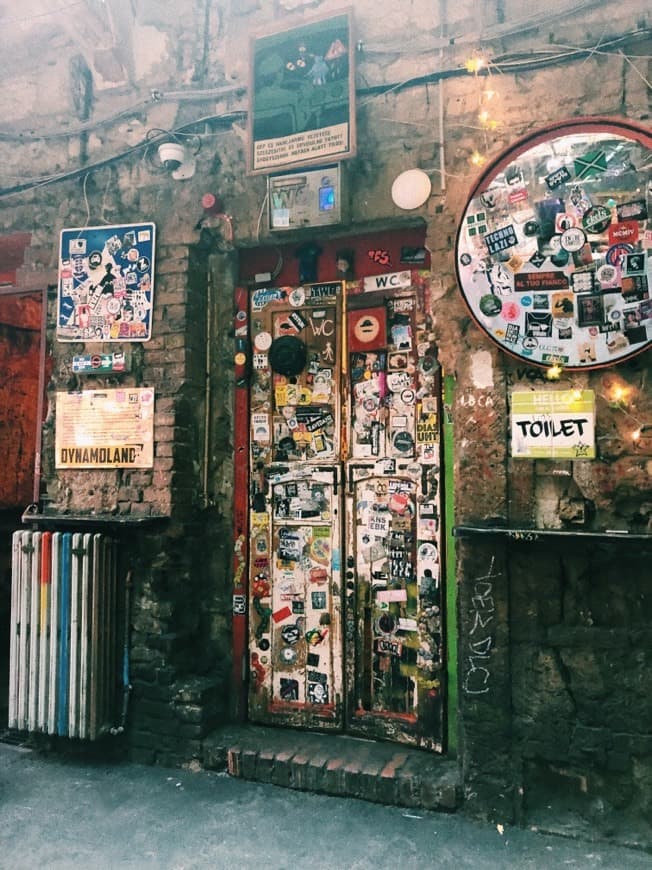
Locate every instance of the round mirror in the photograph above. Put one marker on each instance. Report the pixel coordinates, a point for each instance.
(553, 250)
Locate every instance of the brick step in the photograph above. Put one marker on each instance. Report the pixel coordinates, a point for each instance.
(336, 764)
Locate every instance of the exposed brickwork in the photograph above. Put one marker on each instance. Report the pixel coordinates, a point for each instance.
(335, 765)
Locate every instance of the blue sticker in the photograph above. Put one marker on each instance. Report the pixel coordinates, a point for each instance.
(525, 301)
(501, 239)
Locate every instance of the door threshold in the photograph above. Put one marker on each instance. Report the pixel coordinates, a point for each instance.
(336, 764)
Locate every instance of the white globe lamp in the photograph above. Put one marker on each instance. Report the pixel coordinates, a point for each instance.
(411, 189)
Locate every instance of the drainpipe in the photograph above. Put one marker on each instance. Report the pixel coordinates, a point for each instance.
(36, 492)
(207, 384)
(442, 155)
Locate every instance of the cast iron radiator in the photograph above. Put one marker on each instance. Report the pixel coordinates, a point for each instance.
(63, 656)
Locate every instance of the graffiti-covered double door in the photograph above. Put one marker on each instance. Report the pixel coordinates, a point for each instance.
(345, 623)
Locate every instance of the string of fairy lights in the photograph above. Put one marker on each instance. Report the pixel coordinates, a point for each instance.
(620, 399)
(487, 100)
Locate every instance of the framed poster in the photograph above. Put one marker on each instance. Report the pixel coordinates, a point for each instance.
(553, 251)
(302, 95)
(106, 283)
(105, 428)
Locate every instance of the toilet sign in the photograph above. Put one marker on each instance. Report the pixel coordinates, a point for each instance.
(556, 424)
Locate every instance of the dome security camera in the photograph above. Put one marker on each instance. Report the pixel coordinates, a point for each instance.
(171, 155)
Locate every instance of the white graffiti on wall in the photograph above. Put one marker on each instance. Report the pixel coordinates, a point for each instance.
(481, 615)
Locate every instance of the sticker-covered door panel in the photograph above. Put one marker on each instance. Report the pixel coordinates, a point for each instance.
(394, 603)
(295, 655)
(295, 377)
(371, 470)
(393, 591)
(392, 379)
(295, 606)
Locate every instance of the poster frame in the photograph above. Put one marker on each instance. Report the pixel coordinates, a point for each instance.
(112, 273)
(262, 45)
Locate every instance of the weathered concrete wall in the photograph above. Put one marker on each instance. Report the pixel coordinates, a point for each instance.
(188, 62)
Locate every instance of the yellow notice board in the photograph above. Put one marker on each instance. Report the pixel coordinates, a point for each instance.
(557, 424)
(105, 429)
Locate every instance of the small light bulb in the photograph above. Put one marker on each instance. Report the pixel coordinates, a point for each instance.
(477, 159)
(577, 395)
(619, 394)
(489, 94)
(554, 372)
(474, 64)
(483, 116)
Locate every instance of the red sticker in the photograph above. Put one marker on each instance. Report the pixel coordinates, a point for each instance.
(368, 329)
(623, 233)
(281, 614)
(519, 195)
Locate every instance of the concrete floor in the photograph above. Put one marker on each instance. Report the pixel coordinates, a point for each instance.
(60, 813)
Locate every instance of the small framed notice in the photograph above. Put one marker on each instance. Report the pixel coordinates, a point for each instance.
(105, 429)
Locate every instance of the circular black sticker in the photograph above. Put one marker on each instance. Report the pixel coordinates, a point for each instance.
(490, 305)
(386, 624)
(403, 442)
(288, 355)
(596, 219)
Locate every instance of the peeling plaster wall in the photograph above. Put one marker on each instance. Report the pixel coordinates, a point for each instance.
(189, 61)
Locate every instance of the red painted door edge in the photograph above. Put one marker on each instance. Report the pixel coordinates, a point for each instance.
(240, 503)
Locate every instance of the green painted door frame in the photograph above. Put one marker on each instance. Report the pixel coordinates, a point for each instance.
(449, 555)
